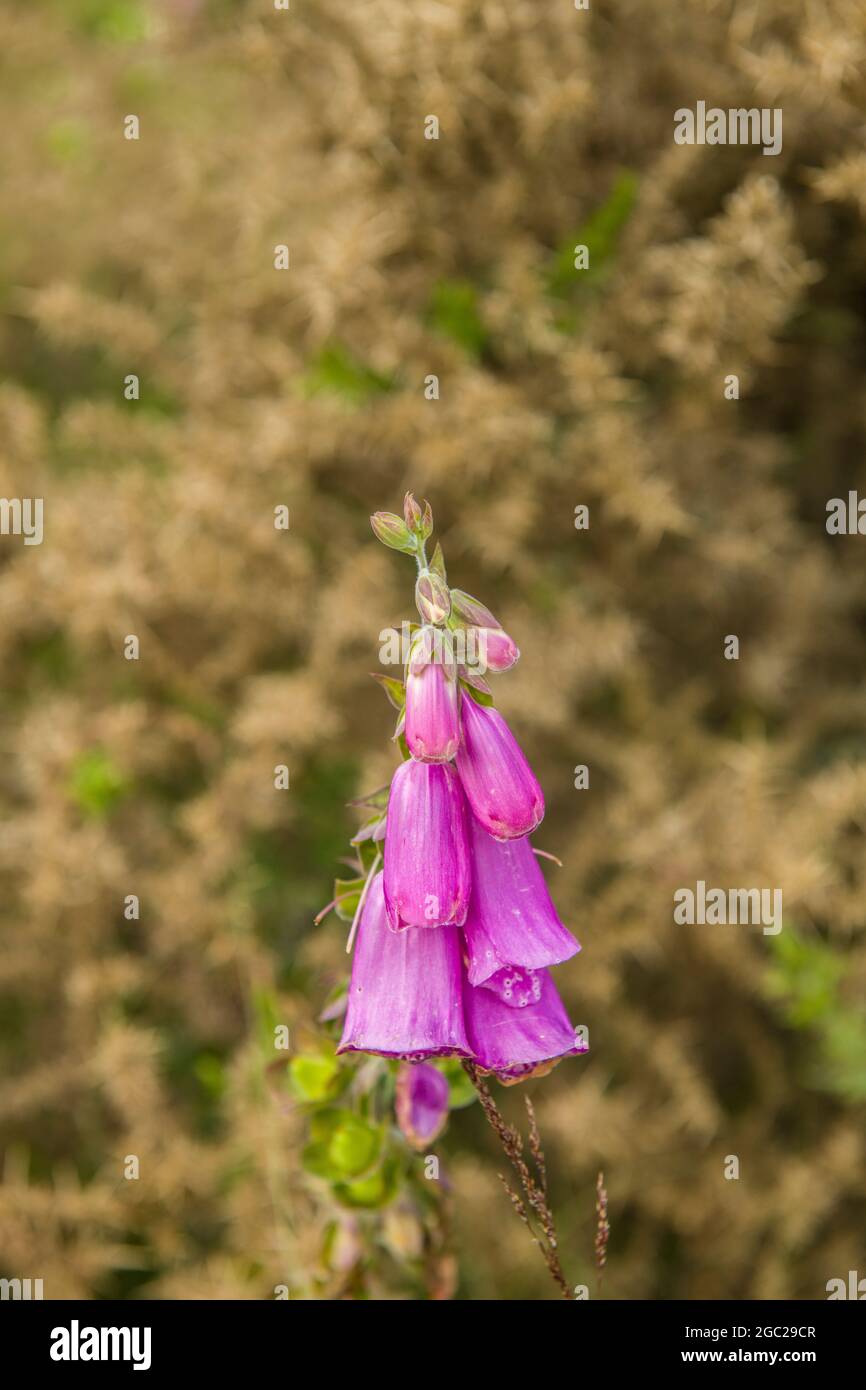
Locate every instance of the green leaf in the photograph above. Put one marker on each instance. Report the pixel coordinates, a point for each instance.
(210, 1071)
(805, 976)
(315, 1159)
(600, 234)
(368, 852)
(355, 1145)
(337, 372)
(267, 1017)
(314, 1076)
(461, 1092)
(67, 141)
(347, 892)
(96, 784)
(120, 21)
(343, 1146)
(841, 1066)
(454, 312)
(376, 1190)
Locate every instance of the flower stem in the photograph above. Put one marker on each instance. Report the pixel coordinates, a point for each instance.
(534, 1188)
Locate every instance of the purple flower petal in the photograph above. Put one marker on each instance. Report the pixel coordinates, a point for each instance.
(511, 919)
(518, 1043)
(404, 995)
(500, 786)
(500, 652)
(515, 986)
(432, 699)
(427, 877)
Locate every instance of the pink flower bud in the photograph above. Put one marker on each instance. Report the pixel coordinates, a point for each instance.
(469, 610)
(412, 512)
(498, 650)
(421, 1102)
(420, 523)
(393, 532)
(500, 786)
(432, 698)
(432, 598)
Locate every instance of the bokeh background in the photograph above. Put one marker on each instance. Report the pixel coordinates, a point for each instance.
(306, 388)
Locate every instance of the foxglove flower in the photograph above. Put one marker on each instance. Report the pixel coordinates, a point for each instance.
(421, 1102)
(404, 994)
(432, 698)
(518, 1043)
(500, 786)
(511, 919)
(498, 652)
(426, 852)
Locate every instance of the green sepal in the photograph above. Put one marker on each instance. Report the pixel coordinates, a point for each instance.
(377, 800)
(367, 831)
(437, 564)
(347, 892)
(394, 689)
(480, 697)
(475, 682)
(367, 852)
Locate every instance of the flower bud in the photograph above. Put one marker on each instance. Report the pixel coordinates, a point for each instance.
(500, 786)
(432, 598)
(432, 698)
(500, 651)
(412, 512)
(419, 523)
(391, 531)
(421, 1102)
(468, 610)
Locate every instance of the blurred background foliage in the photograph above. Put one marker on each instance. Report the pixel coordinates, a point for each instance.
(305, 388)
